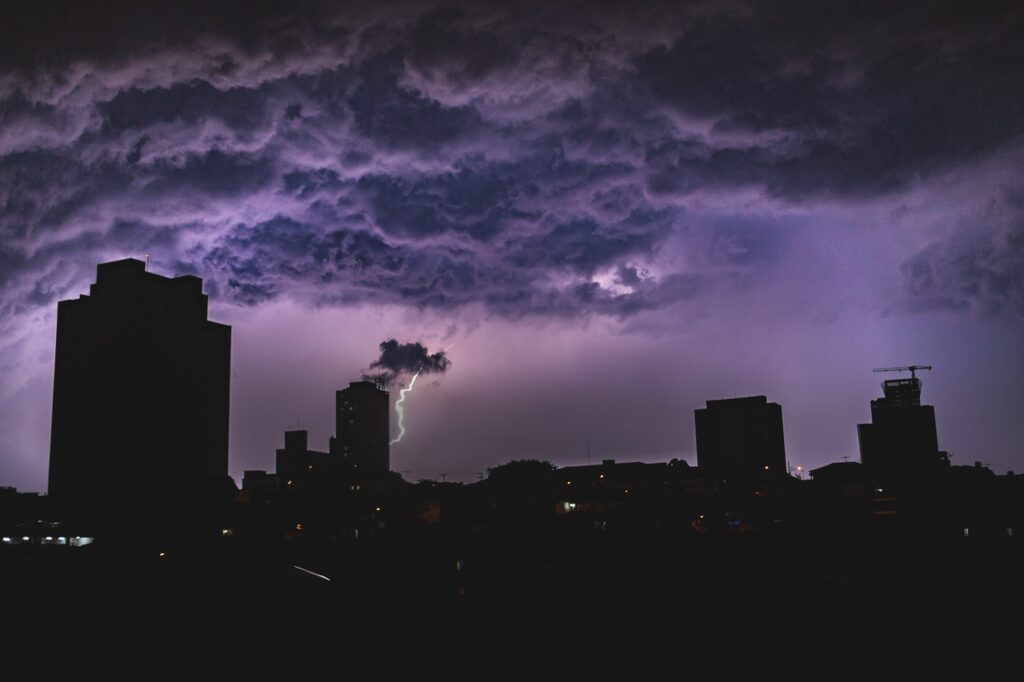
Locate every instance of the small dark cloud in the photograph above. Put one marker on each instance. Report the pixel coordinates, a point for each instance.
(628, 275)
(135, 154)
(399, 360)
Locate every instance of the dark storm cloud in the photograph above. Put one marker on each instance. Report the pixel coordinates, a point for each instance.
(472, 203)
(584, 245)
(57, 33)
(547, 158)
(978, 268)
(866, 97)
(444, 44)
(396, 117)
(403, 359)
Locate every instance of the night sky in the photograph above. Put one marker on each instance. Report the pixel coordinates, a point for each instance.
(606, 214)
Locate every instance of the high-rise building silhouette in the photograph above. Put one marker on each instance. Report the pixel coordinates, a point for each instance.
(740, 436)
(362, 429)
(141, 387)
(901, 436)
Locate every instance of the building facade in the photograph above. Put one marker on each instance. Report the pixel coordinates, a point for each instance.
(901, 436)
(299, 468)
(363, 429)
(740, 436)
(141, 387)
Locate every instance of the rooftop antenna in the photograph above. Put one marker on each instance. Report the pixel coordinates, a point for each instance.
(146, 268)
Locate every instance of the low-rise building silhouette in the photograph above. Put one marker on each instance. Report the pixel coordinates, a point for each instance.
(299, 468)
(259, 481)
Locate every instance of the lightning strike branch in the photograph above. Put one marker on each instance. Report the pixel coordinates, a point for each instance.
(400, 408)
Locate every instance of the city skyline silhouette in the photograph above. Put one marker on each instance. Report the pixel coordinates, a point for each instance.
(339, 546)
(98, 370)
(343, 335)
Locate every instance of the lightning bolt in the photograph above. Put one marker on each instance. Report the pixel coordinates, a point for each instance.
(400, 408)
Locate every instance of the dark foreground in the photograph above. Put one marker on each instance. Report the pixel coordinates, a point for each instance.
(506, 603)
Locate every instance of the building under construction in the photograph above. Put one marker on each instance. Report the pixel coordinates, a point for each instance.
(901, 437)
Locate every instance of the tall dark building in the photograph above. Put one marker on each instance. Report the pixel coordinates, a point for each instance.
(141, 387)
(901, 436)
(740, 436)
(363, 428)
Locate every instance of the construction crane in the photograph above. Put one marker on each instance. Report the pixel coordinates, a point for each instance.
(909, 368)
